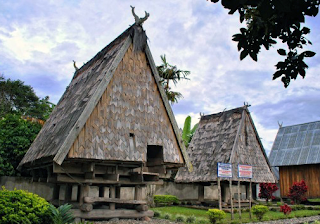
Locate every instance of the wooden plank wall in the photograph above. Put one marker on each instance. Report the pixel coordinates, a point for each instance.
(131, 104)
(309, 173)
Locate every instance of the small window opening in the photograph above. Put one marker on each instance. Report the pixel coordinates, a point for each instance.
(154, 155)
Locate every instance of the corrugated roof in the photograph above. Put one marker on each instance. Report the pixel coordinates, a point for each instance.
(226, 137)
(296, 145)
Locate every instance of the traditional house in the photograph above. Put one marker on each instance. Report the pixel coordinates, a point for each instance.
(296, 152)
(226, 137)
(112, 132)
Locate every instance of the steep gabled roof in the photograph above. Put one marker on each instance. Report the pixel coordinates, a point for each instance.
(226, 137)
(296, 145)
(80, 98)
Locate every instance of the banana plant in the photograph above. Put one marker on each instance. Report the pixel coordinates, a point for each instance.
(187, 132)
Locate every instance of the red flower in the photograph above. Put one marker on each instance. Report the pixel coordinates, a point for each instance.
(286, 209)
(297, 191)
(266, 190)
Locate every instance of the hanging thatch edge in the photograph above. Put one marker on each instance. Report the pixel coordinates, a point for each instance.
(261, 145)
(64, 149)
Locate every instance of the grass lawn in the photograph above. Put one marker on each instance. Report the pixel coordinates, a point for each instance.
(202, 217)
(314, 199)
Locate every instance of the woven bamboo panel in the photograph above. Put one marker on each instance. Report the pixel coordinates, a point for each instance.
(131, 104)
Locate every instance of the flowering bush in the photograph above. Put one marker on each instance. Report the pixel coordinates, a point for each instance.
(286, 209)
(266, 190)
(297, 191)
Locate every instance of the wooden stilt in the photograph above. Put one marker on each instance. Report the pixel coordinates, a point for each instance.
(137, 192)
(239, 200)
(200, 193)
(250, 198)
(231, 198)
(112, 195)
(219, 194)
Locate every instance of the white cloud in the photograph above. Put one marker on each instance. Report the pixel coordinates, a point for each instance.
(38, 44)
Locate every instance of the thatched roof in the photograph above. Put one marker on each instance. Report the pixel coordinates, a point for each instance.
(226, 137)
(81, 97)
(296, 145)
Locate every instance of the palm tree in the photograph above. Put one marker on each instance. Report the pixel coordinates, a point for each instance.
(169, 73)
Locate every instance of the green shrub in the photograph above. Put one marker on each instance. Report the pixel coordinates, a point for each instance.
(201, 221)
(216, 215)
(20, 206)
(191, 219)
(297, 207)
(157, 214)
(166, 216)
(165, 199)
(180, 218)
(274, 209)
(235, 211)
(259, 211)
(62, 214)
(279, 203)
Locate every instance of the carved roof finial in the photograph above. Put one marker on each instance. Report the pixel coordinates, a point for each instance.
(139, 21)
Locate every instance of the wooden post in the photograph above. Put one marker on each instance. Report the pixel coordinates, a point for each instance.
(250, 197)
(137, 192)
(219, 194)
(200, 193)
(84, 192)
(231, 198)
(239, 199)
(112, 195)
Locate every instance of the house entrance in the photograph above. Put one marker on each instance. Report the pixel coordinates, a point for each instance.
(155, 162)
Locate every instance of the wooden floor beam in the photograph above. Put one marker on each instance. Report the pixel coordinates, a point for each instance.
(109, 214)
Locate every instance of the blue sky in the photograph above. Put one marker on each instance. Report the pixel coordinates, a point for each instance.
(39, 40)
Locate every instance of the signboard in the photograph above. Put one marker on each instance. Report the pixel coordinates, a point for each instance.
(244, 171)
(224, 170)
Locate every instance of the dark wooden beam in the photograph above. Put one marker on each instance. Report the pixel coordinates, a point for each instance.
(113, 200)
(99, 180)
(109, 214)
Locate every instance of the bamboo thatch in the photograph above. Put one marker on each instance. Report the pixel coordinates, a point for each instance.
(113, 108)
(226, 137)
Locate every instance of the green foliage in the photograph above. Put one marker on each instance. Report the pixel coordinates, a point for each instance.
(187, 132)
(297, 207)
(18, 98)
(16, 136)
(165, 199)
(274, 209)
(191, 219)
(268, 21)
(216, 215)
(166, 216)
(279, 203)
(169, 73)
(259, 211)
(180, 218)
(19, 206)
(157, 214)
(62, 214)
